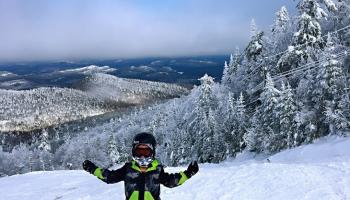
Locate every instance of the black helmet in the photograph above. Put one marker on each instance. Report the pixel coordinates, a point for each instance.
(144, 138)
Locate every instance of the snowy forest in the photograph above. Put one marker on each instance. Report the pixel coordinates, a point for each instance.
(288, 87)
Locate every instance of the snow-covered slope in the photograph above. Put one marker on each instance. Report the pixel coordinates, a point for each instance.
(317, 171)
(129, 90)
(42, 107)
(99, 93)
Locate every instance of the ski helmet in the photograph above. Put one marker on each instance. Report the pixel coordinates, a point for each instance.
(144, 138)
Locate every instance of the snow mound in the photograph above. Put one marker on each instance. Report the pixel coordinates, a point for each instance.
(321, 151)
(292, 174)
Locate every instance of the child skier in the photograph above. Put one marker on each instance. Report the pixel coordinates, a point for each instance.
(143, 175)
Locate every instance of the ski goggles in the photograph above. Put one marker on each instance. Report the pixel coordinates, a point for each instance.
(144, 150)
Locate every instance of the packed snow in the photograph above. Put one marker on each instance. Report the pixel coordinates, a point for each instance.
(317, 171)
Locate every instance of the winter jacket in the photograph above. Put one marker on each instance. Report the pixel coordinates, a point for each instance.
(141, 186)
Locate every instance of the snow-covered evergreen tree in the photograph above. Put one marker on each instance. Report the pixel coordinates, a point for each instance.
(202, 127)
(263, 133)
(240, 117)
(230, 69)
(254, 137)
(281, 33)
(268, 108)
(309, 29)
(282, 20)
(253, 29)
(307, 40)
(266, 113)
(45, 148)
(44, 141)
(229, 126)
(113, 152)
(235, 125)
(333, 82)
(287, 112)
(255, 47)
(225, 77)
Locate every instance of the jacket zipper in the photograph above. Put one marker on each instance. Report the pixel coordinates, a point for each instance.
(142, 189)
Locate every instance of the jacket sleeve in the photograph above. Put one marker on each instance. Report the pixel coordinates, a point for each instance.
(172, 180)
(111, 176)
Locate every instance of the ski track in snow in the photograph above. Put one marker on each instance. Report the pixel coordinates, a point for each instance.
(287, 176)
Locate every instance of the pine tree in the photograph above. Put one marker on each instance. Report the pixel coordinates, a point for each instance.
(307, 41)
(253, 29)
(229, 129)
(112, 150)
(240, 116)
(287, 114)
(266, 113)
(45, 156)
(253, 63)
(309, 29)
(44, 141)
(282, 20)
(334, 84)
(342, 117)
(331, 6)
(269, 98)
(202, 127)
(225, 76)
(255, 47)
(31, 161)
(263, 132)
(254, 137)
(281, 34)
(213, 144)
(230, 69)
(179, 145)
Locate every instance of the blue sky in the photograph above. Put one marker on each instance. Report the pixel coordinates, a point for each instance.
(76, 29)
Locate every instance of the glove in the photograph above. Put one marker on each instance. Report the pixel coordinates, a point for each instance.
(192, 169)
(89, 166)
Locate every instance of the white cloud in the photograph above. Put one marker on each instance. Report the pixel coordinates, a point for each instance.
(32, 30)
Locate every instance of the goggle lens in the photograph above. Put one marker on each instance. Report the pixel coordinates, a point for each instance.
(143, 151)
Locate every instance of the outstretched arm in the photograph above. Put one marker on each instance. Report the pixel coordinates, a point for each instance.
(176, 179)
(105, 175)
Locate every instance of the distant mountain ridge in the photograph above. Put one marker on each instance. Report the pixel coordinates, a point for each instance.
(180, 70)
(97, 94)
(125, 90)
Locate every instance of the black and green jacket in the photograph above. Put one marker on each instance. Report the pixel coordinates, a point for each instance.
(141, 186)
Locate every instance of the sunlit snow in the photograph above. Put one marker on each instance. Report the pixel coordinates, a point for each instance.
(316, 171)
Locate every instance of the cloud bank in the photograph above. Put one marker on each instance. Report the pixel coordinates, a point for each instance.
(47, 30)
